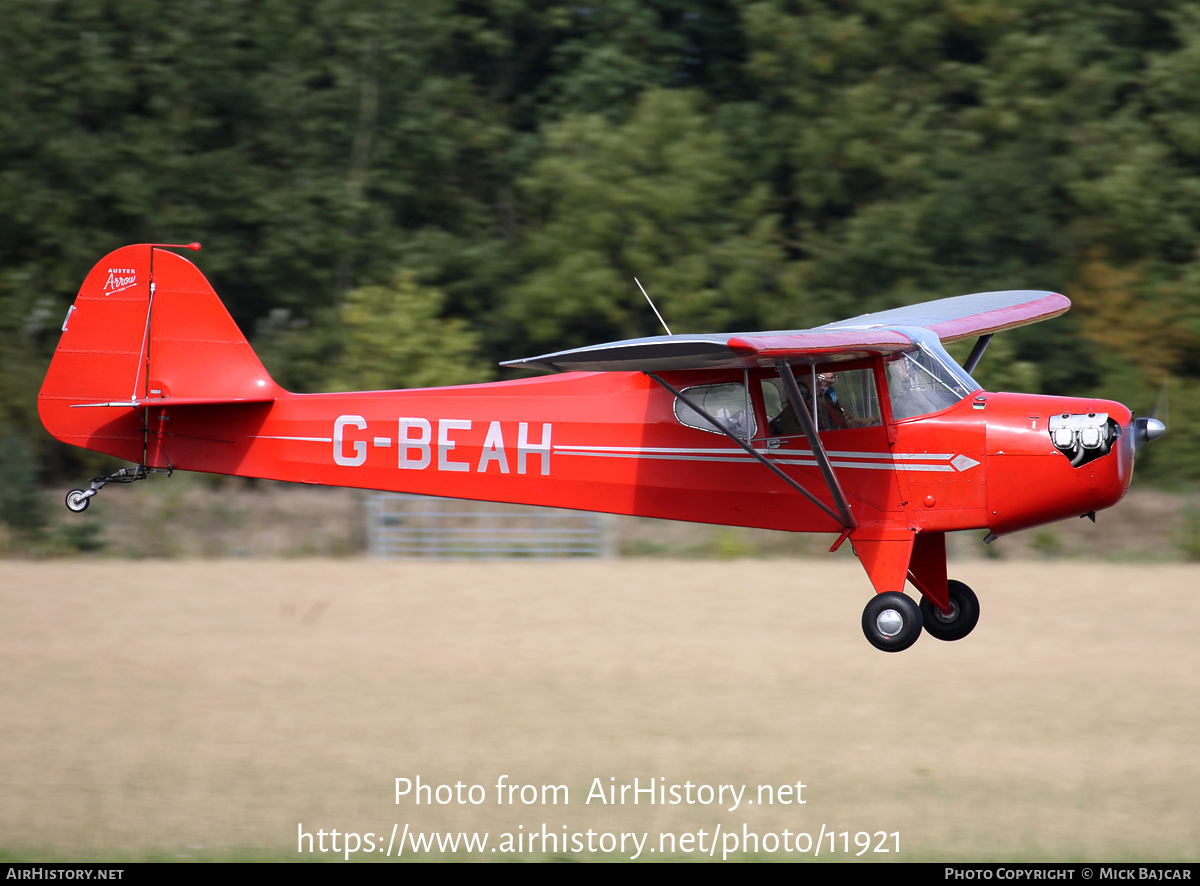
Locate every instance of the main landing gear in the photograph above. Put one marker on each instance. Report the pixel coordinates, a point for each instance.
(964, 613)
(79, 499)
(892, 621)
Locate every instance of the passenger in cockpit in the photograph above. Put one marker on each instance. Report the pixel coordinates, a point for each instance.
(785, 424)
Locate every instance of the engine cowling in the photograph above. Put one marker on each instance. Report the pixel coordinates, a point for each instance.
(1054, 457)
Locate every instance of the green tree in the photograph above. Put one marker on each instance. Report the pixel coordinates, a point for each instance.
(379, 338)
(660, 197)
(21, 501)
(757, 163)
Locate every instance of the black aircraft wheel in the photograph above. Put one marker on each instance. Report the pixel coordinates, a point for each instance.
(892, 621)
(963, 617)
(77, 501)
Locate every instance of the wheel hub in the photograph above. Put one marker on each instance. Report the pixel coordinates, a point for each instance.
(890, 622)
(943, 617)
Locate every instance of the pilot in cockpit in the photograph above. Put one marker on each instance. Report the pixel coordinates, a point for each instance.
(831, 414)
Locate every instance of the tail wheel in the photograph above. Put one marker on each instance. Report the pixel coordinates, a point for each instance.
(892, 621)
(77, 501)
(964, 613)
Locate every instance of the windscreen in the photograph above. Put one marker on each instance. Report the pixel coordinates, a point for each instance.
(925, 378)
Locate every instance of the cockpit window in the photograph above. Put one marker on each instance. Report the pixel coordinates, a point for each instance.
(845, 399)
(925, 379)
(726, 403)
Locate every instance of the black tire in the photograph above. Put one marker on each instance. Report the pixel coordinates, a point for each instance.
(963, 620)
(77, 502)
(892, 621)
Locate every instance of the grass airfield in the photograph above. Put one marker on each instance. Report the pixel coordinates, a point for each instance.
(202, 709)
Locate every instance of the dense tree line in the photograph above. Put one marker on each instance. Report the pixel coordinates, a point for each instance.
(393, 194)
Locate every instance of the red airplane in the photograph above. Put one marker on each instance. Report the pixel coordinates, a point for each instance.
(865, 428)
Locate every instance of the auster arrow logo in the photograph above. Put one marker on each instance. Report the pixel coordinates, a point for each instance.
(120, 279)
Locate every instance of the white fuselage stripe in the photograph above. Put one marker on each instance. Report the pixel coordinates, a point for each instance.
(301, 439)
(883, 461)
(730, 456)
(664, 450)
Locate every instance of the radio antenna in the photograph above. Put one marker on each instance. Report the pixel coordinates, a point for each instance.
(656, 313)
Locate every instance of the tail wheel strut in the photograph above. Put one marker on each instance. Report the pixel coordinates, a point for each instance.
(79, 499)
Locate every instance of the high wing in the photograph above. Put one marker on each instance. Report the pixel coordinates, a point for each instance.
(966, 316)
(950, 319)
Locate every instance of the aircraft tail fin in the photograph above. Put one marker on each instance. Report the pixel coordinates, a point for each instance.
(146, 328)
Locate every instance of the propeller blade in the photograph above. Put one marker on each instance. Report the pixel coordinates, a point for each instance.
(1152, 427)
(1161, 404)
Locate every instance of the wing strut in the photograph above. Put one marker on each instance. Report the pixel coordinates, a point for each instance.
(977, 352)
(818, 449)
(716, 423)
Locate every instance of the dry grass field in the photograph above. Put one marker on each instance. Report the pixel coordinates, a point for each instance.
(204, 516)
(205, 708)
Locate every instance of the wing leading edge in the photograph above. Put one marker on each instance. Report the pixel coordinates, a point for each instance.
(950, 319)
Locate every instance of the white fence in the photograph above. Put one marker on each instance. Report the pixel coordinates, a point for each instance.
(424, 527)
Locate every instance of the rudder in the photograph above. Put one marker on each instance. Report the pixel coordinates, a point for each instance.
(146, 326)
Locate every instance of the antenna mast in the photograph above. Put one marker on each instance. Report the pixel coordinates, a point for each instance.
(656, 313)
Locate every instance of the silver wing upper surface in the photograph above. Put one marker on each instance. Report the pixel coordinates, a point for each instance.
(950, 319)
